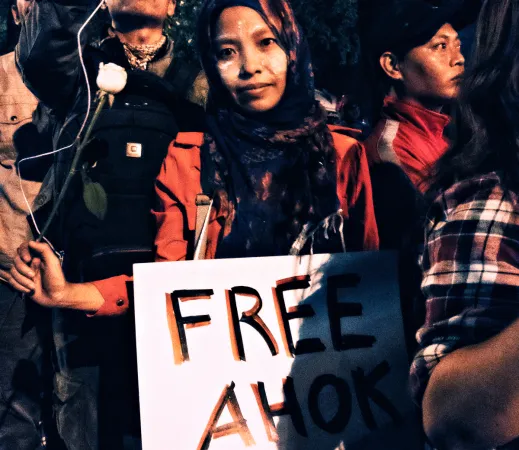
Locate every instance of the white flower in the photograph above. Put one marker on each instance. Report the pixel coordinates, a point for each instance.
(111, 78)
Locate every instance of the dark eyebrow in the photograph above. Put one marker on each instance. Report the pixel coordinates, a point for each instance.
(226, 39)
(232, 39)
(446, 36)
(262, 31)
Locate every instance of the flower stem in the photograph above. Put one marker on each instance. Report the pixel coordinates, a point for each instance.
(73, 168)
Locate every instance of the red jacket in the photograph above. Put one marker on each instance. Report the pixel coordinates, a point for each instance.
(409, 136)
(179, 182)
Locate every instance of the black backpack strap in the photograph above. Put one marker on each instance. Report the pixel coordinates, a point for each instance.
(181, 75)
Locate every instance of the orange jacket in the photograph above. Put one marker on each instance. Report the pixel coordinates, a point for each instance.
(179, 182)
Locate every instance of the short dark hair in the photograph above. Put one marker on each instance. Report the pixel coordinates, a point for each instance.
(377, 84)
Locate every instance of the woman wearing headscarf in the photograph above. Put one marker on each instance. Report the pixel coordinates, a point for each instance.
(279, 180)
(268, 160)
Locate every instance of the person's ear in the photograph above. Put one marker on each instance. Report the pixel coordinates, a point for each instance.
(171, 8)
(16, 15)
(390, 65)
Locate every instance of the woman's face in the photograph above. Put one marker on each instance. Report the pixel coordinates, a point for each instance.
(251, 63)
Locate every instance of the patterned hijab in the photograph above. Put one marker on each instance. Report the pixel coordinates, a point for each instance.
(270, 173)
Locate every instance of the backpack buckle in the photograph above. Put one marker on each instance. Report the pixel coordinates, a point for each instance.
(133, 150)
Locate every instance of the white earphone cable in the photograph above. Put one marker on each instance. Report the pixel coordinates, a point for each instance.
(89, 98)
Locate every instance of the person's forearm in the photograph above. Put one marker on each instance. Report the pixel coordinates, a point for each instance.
(472, 399)
(83, 297)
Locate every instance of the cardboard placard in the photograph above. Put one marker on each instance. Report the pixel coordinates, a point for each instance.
(273, 353)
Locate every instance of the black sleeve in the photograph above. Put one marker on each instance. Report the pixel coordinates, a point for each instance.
(47, 50)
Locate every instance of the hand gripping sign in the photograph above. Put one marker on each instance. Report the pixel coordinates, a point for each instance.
(273, 353)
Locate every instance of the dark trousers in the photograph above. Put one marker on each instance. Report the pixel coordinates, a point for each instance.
(95, 385)
(21, 366)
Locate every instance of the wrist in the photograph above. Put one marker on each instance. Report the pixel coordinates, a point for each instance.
(82, 297)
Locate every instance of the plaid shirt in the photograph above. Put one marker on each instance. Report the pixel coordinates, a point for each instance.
(471, 271)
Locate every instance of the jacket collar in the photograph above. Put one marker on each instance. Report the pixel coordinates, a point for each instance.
(427, 121)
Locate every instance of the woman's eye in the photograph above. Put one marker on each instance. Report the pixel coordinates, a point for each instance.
(225, 53)
(267, 41)
(442, 46)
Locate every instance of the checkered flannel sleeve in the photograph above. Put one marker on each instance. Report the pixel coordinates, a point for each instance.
(471, 271)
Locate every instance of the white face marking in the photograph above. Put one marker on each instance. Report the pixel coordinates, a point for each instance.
(250, 61)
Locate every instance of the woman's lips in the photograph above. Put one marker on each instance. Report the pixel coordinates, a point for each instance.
(252, 89)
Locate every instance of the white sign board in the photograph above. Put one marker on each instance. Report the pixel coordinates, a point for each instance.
(273, 353)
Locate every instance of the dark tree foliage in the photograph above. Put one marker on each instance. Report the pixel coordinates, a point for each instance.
(182, 28)
(330, 28)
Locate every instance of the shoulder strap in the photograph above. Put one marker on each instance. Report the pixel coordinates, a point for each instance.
(203, 210)
(202, 201)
